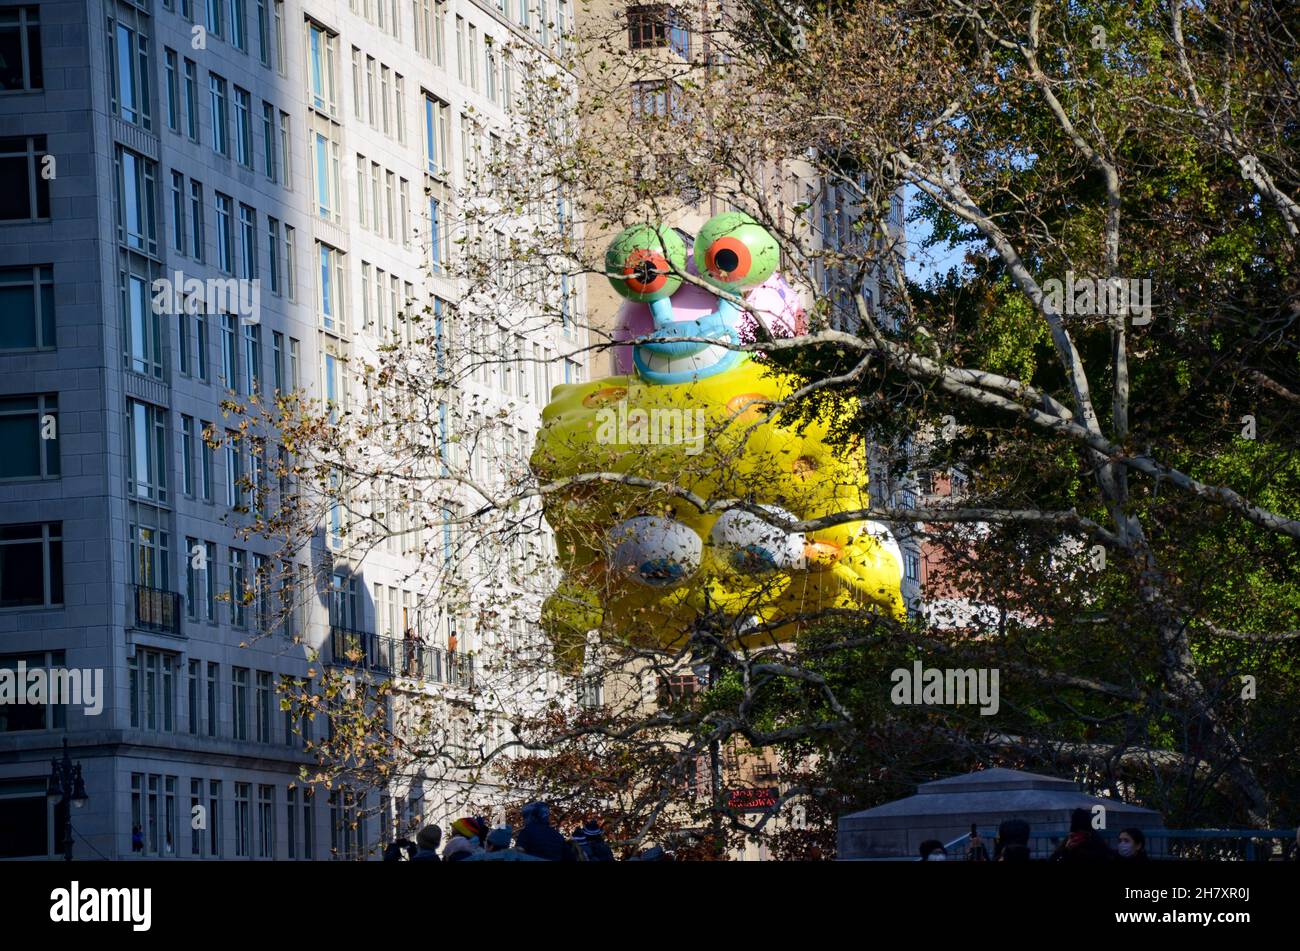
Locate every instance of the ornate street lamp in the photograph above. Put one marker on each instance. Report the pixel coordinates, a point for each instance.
(69, 789)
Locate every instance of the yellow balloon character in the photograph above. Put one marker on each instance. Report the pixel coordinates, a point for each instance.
(694, 422)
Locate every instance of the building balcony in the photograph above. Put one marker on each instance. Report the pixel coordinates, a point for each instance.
(400, 657)
(157, 610)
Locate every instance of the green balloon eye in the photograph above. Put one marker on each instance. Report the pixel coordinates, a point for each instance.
(645, 263)
(734, 252)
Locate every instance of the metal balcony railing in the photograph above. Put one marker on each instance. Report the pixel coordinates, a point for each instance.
(157, 609)
(400, 657)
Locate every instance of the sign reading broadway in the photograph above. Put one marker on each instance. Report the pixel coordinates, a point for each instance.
(762, 800)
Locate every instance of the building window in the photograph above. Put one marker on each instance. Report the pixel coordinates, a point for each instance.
(437, 237)
(187, 456)
(273, 253)
(135, 196)
(239, 24)
(330, 299)
(290, 263)
(286, 142)
(225, 233)
(143, 326)
(191, 101)
(399, 107)
(325, 170)
(129, 74)
(437, 135)
(213, 688)
(656, 99)
(229, 352)
(200, 580)
(234, 486)
(262, 706)
(243, 821)
(154, 813)
(332, 381)
(277, 361)
(153, 690)
(26, 195)
(147, 438)
(27, 308)
(265, 822)
(196, 222)
(657, 26)
(216, 17)
(220, 115)
(247, 242)
(31, 565)
(20, 49)
(205, 462)
(912, 566)
(196, 802)
(214, 814)
(29, 437)
(172, 89)
(177, 206)
(252, 358)
(322, 49)
(239, 698)
(291, 819)
(17, 717)
(269, 166)
(263, 34)
(243, 127)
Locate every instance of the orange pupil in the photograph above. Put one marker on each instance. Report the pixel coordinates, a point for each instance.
(728, 259)
(645, 272)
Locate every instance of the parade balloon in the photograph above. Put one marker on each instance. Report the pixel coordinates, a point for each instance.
(672, 487)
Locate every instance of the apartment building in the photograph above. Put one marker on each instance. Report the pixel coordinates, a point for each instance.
(308, 156)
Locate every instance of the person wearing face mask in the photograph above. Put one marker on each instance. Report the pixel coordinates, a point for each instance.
(1132, 846)
(932, 850)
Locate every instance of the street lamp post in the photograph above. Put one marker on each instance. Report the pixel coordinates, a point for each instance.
(66, 785)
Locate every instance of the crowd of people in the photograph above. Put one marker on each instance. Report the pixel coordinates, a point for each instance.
(1083, 844)
(472, 840)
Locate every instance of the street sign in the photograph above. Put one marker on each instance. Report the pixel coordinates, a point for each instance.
(763, 799)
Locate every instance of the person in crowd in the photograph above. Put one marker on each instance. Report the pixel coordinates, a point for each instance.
(467, 836)
(427, 841)
(577, 843)
(976, 850)
(539, 838)
(1132, 846)
(497, 848)
(1012, 843)
(594, 843)
(400, 850)
(932, 850)
(1083, 844)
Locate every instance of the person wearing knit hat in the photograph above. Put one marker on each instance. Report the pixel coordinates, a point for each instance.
(593, 842)
(470, 827)
(427, 841)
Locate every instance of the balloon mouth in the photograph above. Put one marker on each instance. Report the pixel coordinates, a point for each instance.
(679, 350)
